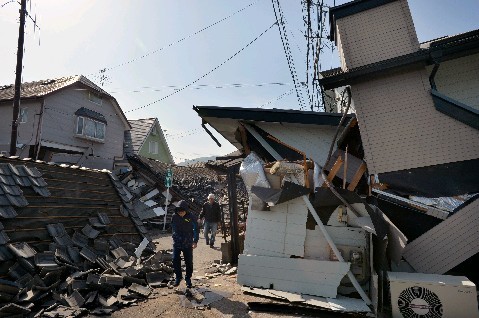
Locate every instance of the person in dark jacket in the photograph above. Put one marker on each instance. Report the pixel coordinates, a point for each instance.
(212, 214)
(184, 226)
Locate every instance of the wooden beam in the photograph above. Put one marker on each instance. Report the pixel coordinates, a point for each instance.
(357, 176)
(334, 170)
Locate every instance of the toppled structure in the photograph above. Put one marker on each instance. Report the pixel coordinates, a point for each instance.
(69, 243)
(190, 183)
(389, 193)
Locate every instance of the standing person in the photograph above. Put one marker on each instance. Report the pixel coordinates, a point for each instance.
(212, 214)
(184, 226)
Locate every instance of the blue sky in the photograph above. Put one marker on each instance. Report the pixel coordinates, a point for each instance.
(84, 36)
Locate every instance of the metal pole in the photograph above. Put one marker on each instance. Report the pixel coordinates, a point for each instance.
(166, 208)
(18, 79)
(233, 206)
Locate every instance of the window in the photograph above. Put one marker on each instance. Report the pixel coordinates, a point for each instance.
(94, 98)
(153, 147)
(90, 128)
(154, 132)
(23, 115)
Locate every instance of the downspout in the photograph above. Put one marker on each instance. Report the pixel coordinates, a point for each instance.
(436, 57)
(433, 74)
(38, 138)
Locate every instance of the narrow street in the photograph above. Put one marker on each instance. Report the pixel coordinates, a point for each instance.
(166, 303)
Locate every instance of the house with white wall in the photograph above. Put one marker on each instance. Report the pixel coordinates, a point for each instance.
(67, 120)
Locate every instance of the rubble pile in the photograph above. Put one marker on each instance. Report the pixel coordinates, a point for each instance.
(190, 183)
(218, 268)
(69, 243)
(69, 281)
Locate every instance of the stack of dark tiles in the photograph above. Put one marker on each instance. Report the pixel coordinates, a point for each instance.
(78, 274)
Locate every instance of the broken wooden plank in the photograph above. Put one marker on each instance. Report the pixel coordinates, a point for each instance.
(334, 170)
(357, 177)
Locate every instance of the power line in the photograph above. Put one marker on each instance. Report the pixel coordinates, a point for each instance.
(11, 1)
(172, 43)
(287, 51)
(200, 86)
(278, 98)
(204, 75)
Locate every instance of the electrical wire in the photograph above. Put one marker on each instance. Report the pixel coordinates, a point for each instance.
(204, 75)
(103, 70)
(278, 98)
(280, 21)
(200, 86)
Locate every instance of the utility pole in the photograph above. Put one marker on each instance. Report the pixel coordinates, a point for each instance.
(18, 79)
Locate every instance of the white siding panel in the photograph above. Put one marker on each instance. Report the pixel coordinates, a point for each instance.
(316, 246)
(401, 129)
(26, 131)
(320, 278)
(279, 232)
(59, 123)
(312, 139)
(459, 79)
(386, 32)
(447, 244)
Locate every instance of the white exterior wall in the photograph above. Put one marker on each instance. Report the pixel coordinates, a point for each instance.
(59, 126)
(313, 140)
(401, 129)
(459, 79)
(376, 34)
(26, 131)
(279, 232)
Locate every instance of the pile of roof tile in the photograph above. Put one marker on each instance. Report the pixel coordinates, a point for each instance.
(190, 183)
(73, 245)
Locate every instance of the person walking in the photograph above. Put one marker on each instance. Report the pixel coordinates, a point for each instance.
(212, 216)
(184, 226)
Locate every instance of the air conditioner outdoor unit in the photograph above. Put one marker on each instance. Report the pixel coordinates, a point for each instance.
(432, 296)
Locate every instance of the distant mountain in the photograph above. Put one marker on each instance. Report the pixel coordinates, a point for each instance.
(196, 160)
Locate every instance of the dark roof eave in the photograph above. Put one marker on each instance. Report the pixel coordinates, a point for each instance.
(439, 51)
(346, 78)
(269, 115)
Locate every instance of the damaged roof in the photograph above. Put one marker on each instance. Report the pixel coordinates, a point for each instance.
(307, 131)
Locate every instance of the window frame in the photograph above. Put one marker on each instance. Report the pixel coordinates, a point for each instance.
(82, 134)
(23, 115)
(94, 98)
(155, 148)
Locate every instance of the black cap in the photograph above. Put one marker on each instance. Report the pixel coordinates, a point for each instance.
(182, 206)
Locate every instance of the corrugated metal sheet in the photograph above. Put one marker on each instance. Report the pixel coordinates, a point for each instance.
(447, 244)
(320, 278)
(278, 232)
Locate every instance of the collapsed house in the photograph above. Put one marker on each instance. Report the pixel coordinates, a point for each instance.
(146, 179)
(71, 242)
(379, 204)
